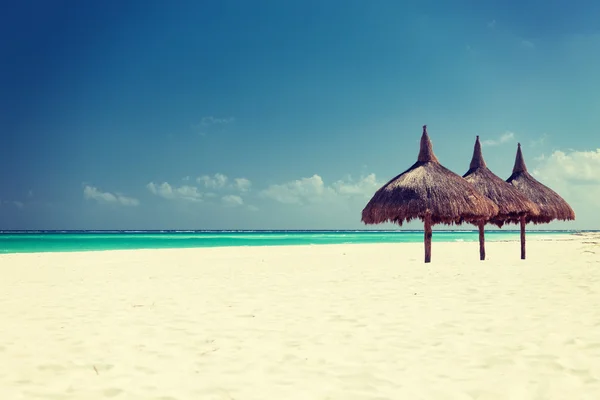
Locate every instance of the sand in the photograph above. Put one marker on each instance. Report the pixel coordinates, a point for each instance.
(304, 322)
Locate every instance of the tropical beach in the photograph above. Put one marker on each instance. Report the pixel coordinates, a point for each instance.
(315, 200)
(357, 321)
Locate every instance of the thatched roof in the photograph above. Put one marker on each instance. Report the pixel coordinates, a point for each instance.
(551, 205)
(428, 187)
(510, 201)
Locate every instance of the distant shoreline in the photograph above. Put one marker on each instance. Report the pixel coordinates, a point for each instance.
(81, 241)
(441, 230)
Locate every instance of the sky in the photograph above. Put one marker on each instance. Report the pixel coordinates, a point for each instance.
(268, 114)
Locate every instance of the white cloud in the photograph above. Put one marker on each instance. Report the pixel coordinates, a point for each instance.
(210, 120)
(491, 24)
(242, 184)
(93, 193)
(314, 190)
(218, 188)
(187, 192)
(221, 181)
(504, 138)
(575, 167)
(366, 186)
(299, 191)
(215, 182)
(575, 175)
(232, 200)
(527, 44)
(18, 204)
(539, 141)
(210, 123)
(165, 190)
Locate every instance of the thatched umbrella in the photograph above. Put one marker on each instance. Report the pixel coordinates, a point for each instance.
(512, 204)
(430, 192)
(551, 205)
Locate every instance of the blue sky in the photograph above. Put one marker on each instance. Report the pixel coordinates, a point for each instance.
(283, 115)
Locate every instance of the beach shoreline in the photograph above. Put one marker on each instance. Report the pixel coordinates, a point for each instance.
(34, 243)
(338, 321)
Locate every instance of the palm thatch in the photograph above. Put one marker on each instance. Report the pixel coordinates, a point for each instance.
(550, 204)
(430, 192)
(512, 204)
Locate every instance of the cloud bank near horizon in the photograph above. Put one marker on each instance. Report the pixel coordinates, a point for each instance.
(575, 175)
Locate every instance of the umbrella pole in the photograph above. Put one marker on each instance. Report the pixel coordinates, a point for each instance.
(427, 238)
(481, 241)
(522, 237)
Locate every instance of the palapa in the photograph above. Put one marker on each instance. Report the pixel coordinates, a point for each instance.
(430, 192)
(550, 204)
(512, 204)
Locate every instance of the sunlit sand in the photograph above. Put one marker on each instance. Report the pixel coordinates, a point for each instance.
(304, 322)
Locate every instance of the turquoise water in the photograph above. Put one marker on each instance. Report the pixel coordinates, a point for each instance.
(46, 241)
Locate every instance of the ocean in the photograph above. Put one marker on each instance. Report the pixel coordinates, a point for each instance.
(63, 241)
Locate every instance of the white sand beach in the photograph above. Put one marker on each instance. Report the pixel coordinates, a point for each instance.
(343, 322)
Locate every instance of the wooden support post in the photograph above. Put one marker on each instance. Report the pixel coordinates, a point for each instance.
(522, 237)
(428, 235)
(481, 240)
